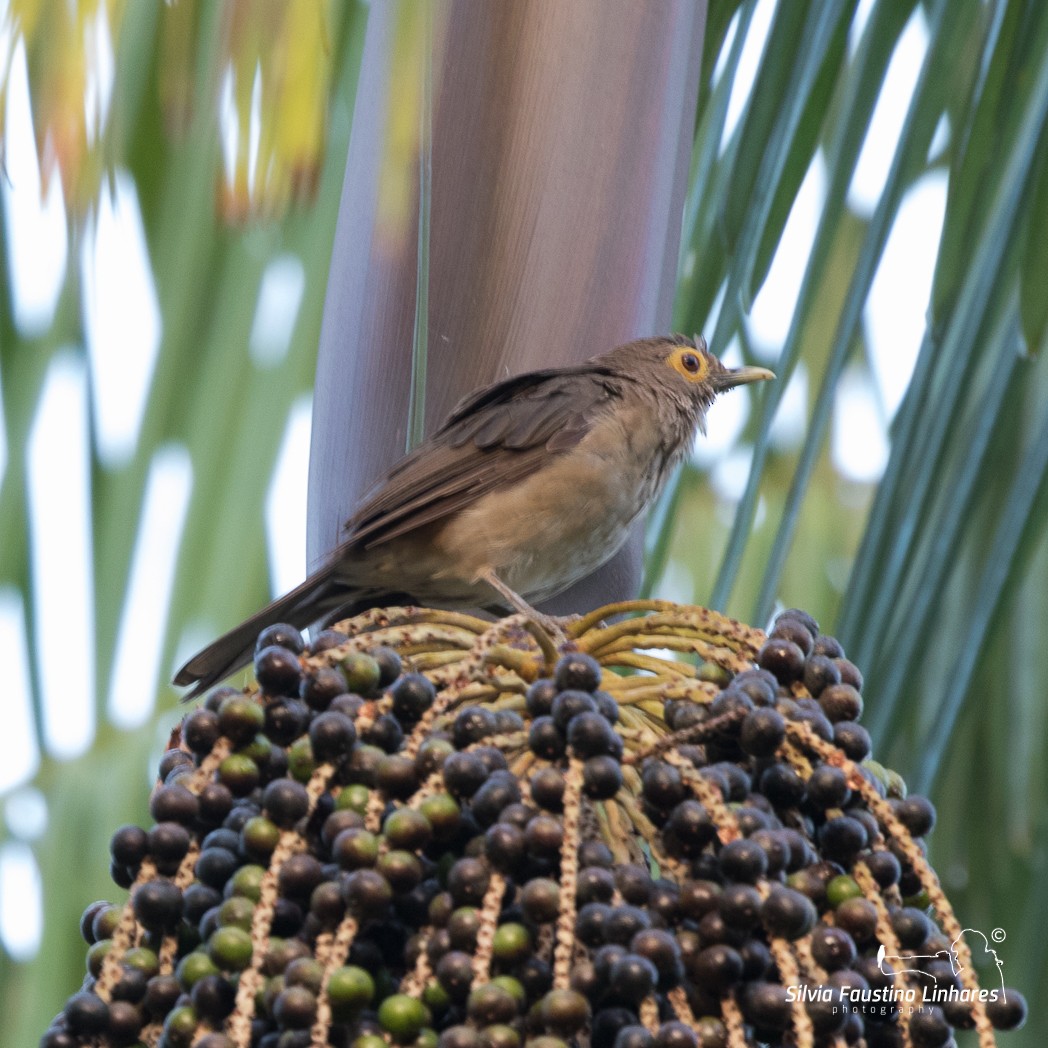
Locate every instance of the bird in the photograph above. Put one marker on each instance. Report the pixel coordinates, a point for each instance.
(531, 483)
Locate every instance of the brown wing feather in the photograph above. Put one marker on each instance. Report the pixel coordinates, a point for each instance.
(496, 436)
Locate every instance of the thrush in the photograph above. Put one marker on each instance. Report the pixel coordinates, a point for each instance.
(528, 486)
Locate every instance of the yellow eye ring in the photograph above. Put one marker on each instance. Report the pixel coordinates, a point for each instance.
(689, 363)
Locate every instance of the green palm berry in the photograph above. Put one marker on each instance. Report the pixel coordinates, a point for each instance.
(402, 1017)
(230, 948)
(842, 888)
(349, 990)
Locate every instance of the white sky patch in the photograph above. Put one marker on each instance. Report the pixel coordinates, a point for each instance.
(25, 813)
(100, 69)
(20, 900)
(749, 61)
(728, 475)
(19, 756)
(36, 228)
(729, 40)
(147, 602)
(228, 122)
(286, 500)
(896, 311)
(855, 30)
(859, 442)
(769, 320)
(791, 418)
(60, 521)
(725, 420)
(889, 114)
(122, 319)
(279, 299)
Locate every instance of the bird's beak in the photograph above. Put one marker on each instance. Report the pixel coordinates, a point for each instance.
(741, 376)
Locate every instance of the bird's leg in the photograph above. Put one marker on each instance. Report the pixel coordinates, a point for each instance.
(550, 623)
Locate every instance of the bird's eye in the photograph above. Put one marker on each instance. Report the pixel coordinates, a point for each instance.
(689, 363)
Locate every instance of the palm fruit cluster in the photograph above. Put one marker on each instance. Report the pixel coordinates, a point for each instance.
(430, 830)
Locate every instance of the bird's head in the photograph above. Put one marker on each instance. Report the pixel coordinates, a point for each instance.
(681, 372)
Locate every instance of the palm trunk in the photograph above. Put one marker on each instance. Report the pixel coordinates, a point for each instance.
(558, 148)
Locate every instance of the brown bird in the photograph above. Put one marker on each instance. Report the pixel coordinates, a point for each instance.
(531, 484)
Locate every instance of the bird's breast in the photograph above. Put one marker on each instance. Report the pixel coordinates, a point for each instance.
(567, 518)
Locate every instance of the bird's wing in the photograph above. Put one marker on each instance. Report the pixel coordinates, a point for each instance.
(496, 436)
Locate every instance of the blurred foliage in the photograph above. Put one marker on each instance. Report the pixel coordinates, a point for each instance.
(935, 580)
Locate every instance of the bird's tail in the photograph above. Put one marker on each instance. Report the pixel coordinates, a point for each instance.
(300, 607)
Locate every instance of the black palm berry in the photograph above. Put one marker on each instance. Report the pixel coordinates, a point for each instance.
(168, 844)
(454, 972)
(740, 906)
(464, 773)
(86, 1014)
(782, 786)
(766, 1005)
(633, 1036)
(762, 732)
(660, 947)
(841, 702)
(129, 845)
(504, 847)
(787, 914)
(157, 904)
(564, 1012)
(539, 697)
(285, 801)
(547, 789)
(540, 900)
(688, 829)
(590, 923)
(911, 926)
(285, 720)
(215, 866)
(577, 671)
(546, 739)
(568, 705)
(544, 836)
(717, 968)
(412, 695)
(396, 776)
(828, 787)
(283, 635)
(594, 884)
(200, 730)
(500, 790)
(320, 686)
(590, 735)
(884, 866)
(675, 1034)
(367, 893)
(782, 658)
(832, 948)
(471, 724)
(662, 785)
(800, 631)
(916, 813)
(468, 881)
(601, 778)
(624, 922)
(842, 838)
(820, 672)
(632, 978)
(742, 860)
(174, 803)
(384, 732)
(853, 740)
(332, 736)
(278, 670)
(1008, 1011)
